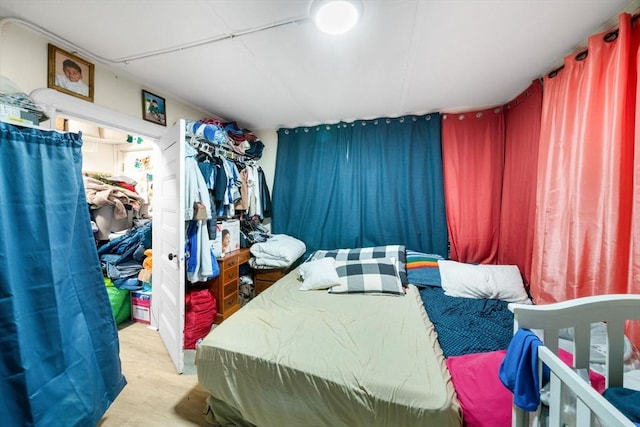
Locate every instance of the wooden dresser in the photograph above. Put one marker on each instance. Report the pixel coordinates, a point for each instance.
(225, 287)
(262, 279)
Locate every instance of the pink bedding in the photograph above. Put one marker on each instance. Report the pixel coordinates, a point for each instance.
(485, 401)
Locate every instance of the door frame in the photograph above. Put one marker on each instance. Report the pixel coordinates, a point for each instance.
(57, 104)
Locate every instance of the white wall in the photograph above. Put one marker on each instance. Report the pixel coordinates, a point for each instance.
(23, 59)
(268, 161)
(97, 157)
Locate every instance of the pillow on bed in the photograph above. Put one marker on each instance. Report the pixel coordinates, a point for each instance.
(318, 274)
(502, 282)
(374, 252)
(422, 269)
(376, 276)
(484, 400)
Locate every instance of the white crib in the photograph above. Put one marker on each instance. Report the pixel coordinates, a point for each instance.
(579, 314)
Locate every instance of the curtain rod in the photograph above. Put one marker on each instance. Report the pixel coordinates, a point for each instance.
(582, 55)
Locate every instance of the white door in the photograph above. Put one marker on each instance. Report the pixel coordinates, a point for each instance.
(167, 302)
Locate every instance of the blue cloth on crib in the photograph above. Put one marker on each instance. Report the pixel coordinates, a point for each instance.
(625, 400)
(519, 370)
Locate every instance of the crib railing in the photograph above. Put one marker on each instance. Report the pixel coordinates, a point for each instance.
(579, 314)
(589, 403)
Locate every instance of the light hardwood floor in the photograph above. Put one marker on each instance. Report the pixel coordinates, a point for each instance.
(155, 395)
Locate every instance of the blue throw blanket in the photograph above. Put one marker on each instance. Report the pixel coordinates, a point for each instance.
(519, 370)
(466, 325)
(422, 268)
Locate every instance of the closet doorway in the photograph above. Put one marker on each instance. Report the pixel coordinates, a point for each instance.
(117, 173)
(109, 153)
(113, 142)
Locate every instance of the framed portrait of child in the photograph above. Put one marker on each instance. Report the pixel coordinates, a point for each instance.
(154, 108)
(70, 74)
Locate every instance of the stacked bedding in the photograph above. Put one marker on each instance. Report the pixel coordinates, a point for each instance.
(279, 251)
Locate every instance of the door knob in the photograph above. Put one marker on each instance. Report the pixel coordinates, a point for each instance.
(172, 256)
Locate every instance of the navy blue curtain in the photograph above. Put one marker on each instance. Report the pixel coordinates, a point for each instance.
(59, 364)
(366, 183)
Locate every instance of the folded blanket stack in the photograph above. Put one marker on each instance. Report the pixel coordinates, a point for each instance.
(279, 251)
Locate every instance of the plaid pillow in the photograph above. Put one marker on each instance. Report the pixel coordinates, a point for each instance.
(375, 252)
(377, 275)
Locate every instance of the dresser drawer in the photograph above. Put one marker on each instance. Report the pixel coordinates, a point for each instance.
(228, 275)
(225, 286)
(228, 262)
(244, 256)
(269, 275)
(230, 288)
(230, 302)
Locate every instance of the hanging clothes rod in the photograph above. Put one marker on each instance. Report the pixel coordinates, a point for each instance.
(213, 150)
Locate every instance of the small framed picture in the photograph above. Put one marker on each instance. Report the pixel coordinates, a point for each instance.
(70, 74)
(154, 108)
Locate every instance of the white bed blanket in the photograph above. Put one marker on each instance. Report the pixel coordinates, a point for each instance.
(280, 250)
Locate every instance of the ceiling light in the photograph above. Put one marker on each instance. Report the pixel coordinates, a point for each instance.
(335, 16)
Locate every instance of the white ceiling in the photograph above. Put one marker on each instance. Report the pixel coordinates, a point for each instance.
(405, 56)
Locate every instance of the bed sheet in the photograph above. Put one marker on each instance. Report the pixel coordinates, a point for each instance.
(468, 325)
(310, 358)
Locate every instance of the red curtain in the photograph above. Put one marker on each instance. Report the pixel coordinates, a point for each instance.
(517, 214)
(634, 271)
(585, 195)
(472, 155)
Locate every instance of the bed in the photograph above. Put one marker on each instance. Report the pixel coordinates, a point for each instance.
(580, 316)
(428, 353)
(314, 358)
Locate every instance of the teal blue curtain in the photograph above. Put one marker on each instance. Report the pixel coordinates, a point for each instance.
(59, 364)
(366, 183)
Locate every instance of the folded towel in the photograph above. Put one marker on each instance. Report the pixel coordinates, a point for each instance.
(519, 370)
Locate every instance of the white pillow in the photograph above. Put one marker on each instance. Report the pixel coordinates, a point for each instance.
(502, 282)
(318, 274)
